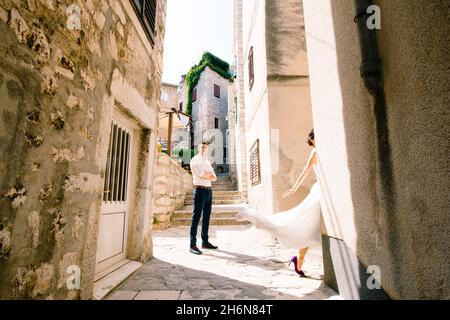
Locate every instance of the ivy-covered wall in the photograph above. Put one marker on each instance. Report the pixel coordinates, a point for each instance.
(193, 76)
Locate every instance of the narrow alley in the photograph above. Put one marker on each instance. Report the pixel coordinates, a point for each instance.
(313, 131)
(247, 265)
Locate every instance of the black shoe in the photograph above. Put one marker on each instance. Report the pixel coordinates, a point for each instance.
(195, 250)
(208, 246)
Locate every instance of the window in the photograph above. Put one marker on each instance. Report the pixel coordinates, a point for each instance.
(146, 12)
(251, 70)
(115, 187)
(194, 95)
(255, 164)
(181, 107)
(216, 91)
(216, 123)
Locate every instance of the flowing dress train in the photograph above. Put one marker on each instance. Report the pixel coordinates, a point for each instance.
(296, 228)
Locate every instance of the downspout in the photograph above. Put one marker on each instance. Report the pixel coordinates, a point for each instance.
(371, 62)
(371, 71)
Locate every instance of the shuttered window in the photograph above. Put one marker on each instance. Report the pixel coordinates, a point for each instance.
(146, 12)
(216, 91)
(255, 164)
(194, 95)
(251, 70)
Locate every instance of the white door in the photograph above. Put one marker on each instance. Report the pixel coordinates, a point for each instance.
(111, 246)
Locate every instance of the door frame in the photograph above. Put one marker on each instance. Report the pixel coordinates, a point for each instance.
(112, 263)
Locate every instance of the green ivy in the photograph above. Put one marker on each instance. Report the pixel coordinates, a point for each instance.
(193, 76)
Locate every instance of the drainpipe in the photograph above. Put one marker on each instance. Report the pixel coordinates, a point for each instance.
(371, 63)
(371, 72)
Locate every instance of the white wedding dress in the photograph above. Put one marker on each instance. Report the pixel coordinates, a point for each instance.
(296, 228)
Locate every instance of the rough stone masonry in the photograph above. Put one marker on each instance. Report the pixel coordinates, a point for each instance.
(172, 183)
(58, 89)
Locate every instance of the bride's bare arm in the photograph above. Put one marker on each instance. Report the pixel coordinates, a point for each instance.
(306, 171)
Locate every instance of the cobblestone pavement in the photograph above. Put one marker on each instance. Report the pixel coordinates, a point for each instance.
(249, 264)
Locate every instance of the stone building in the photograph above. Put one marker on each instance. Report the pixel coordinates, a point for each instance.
(382, 141)
(181, 138)
(173, 123)
(80, 85)
(169, 97)
(273, 100)
(210, 115)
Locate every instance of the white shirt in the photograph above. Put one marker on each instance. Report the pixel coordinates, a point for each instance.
(199, 167)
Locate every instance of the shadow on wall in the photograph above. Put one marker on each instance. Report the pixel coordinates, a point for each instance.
(373, 212)
(407, 241)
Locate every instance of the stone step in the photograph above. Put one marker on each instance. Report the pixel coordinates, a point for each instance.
(216, 208)
(223, 180)
(218, 196)
(224, 188)
(222, 214)
(213, 222)
(225, 192)
(216, 201)
(188, 214)
(223, 184)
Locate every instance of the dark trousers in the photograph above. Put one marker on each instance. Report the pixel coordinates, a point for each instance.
(202, 202)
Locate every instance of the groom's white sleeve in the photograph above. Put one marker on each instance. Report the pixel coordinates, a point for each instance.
(197, 170)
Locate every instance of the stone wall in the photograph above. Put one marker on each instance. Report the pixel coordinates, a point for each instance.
(59, 90)
(172, 183)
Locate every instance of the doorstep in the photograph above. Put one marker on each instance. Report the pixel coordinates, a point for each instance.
(109, 282)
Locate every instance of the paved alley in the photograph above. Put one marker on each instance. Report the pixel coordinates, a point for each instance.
(249, 264)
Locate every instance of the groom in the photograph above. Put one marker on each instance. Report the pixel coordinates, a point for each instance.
(202, 175)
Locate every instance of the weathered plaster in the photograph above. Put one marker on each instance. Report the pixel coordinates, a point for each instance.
(409, 242)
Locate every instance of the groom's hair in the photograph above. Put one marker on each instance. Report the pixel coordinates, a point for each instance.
(203, 143)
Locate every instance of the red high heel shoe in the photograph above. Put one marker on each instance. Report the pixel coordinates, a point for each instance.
(299, 272)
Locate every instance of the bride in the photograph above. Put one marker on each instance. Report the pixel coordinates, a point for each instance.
(298, 227)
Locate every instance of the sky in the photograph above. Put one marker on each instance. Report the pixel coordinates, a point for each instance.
(192, 27)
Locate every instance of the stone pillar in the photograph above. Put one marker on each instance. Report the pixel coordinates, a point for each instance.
(241, 145)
